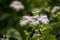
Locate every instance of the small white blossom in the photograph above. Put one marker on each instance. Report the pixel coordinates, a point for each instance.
(55, 9)
(34, 23)
(16, 5)
(44, 19)
(23, 22)
(26, 17)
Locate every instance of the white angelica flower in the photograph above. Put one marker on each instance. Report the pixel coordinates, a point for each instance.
(42, 16)
(26, 17)
(44, 19)
(16, 5)
(34, 23)
(23, 22)
(55, 9)
(34, 20)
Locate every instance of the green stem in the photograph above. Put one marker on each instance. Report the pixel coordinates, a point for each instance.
(27, 37)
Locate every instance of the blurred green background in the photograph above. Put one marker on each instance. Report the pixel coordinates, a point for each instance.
(9, 19)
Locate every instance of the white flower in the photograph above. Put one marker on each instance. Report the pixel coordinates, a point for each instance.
(26, 17)
(42, 16)
(55, 9)
(34, 23)
(44, 19)
(16, 5)
(34, 20)
(23, 22)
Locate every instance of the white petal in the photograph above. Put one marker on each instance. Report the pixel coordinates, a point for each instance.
(34, 23)
(16, 5)
(26, 17)
(22, 23)
(55, 9)
(36, 16)
(44, 19)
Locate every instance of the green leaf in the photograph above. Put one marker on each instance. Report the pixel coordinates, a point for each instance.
(3, 16)
(13, 33)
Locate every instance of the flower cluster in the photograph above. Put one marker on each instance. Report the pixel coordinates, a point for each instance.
(44, 19)
(34, 20)
(54, 9)
(16, 5)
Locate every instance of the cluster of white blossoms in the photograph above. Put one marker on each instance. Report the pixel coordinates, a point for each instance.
(17, 5)
(44, 19)
(54, 9)
(34, 20)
